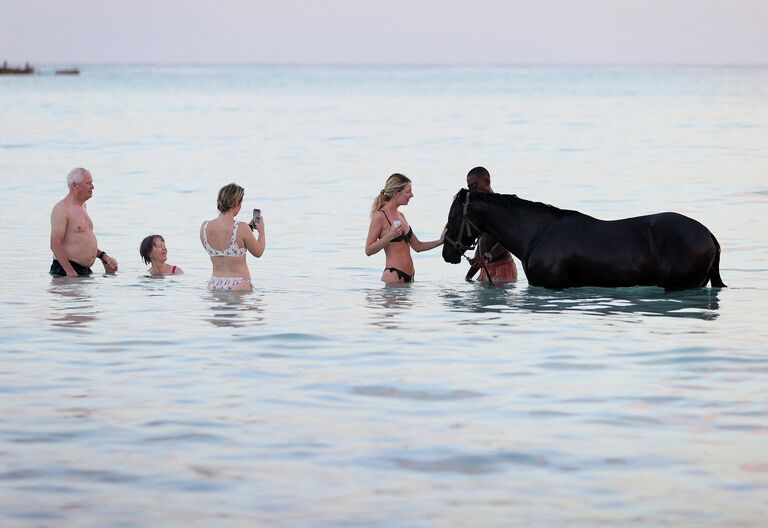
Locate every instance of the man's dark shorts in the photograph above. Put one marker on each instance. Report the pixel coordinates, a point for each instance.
(58, 271)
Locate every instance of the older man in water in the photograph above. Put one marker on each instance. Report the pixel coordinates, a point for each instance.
(490, 256)
(73, 242)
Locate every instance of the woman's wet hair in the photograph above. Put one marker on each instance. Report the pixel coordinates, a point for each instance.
(229, 196)
(395, 183)
(146, 247)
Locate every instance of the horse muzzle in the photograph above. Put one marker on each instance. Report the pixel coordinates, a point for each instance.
(451, 254)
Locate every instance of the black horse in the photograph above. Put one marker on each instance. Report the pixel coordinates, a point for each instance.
(561, 249)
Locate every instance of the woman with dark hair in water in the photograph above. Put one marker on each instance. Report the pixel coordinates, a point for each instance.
(390, 231)
(154, 253)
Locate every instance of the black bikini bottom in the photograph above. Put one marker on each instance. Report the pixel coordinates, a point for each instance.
(58, 271)
(403, 275)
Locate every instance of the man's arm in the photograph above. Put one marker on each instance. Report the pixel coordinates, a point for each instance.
(483, 254)
(499, 252)
(473, 268)
(110, 264)
(58, 232)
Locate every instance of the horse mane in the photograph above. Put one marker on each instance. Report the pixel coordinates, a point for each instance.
(514, 200)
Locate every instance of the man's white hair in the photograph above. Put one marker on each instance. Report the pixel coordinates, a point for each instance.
(76, 176)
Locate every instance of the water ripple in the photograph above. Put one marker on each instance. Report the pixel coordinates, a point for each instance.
(469, 464)
(65, 474)
(185, 438)
(383, 391)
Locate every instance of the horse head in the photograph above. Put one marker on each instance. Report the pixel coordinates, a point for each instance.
(462, 231)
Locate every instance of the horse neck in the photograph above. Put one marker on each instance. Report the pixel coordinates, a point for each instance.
(515, 224)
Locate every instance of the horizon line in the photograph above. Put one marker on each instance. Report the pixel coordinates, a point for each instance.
(387, 64)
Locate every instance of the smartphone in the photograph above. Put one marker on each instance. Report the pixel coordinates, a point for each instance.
(256, 216)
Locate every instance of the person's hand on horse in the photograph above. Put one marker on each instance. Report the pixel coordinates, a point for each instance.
(442, 235)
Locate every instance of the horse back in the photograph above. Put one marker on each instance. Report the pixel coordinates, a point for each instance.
(676, 234)
(686, 251)
(666, 249)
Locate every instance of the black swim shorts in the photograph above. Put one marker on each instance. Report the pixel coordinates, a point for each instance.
(58, 271)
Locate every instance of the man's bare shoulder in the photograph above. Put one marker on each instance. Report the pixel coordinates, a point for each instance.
(60, 209)
(70, 206)
(68, 211)
(61, 204)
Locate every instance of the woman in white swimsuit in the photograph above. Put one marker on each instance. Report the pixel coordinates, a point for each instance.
(227, 241)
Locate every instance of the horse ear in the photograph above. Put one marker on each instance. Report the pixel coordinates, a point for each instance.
(462, 194)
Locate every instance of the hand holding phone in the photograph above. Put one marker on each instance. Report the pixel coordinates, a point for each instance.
(256, 219)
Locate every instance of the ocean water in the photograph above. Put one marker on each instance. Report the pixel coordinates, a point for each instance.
(324, 398)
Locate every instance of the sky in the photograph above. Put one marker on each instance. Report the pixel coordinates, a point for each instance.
(385, 32)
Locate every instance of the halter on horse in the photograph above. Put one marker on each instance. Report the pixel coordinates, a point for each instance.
(468, 224)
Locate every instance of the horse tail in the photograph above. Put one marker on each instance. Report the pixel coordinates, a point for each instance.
(714, 271)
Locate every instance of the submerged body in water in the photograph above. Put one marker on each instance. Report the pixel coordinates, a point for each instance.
(562, 249)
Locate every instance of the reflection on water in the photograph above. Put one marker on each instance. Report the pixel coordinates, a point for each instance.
(326, 396)
(701, 303)
(71, 302)
(158, 285)
(388, 303)
(235, 309)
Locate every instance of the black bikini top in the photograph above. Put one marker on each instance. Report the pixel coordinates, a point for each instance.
(402, 238)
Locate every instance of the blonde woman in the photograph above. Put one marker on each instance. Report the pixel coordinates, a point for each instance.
(227, 241)
(390, 231)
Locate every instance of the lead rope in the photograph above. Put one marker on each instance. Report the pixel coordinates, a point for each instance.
(487, 274)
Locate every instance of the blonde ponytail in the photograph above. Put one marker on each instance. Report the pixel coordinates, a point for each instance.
(395, 183)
